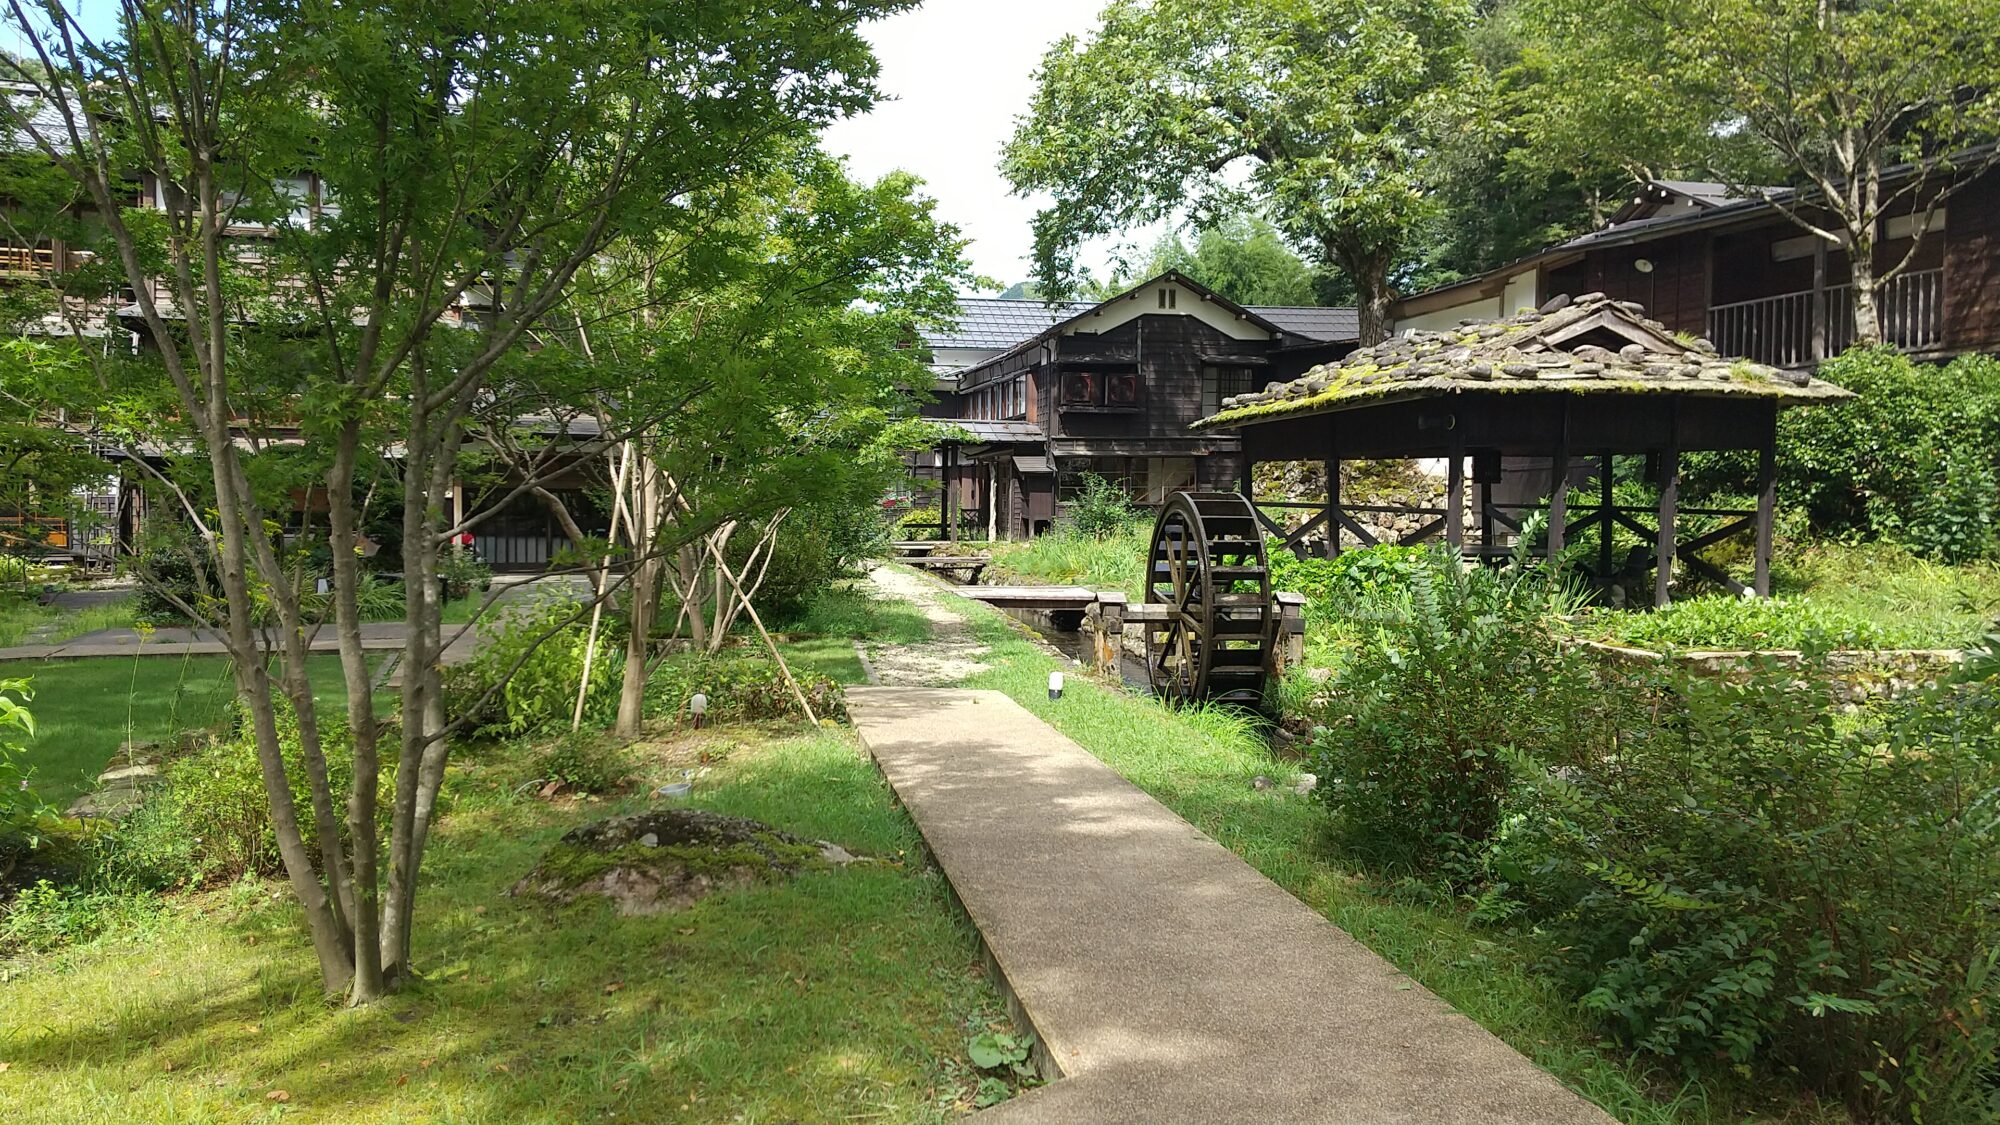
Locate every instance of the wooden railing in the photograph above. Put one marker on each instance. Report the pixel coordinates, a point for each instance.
(30, 261)
(1780, 330)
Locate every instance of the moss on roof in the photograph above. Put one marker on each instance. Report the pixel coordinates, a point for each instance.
(1559, 348)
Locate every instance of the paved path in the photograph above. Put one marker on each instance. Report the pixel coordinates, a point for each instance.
(1169, 982)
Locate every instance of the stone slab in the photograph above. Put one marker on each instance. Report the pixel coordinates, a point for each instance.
(1167, 980)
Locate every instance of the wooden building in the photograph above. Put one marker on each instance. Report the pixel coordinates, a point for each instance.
(1738, 272)
(1043, 394)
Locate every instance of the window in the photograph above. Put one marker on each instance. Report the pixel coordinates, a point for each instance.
(1169, 297)
(1114, 390)
(1218, 383)
(1166, 476)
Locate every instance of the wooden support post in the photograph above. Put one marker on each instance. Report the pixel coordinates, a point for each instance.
(1767, 505)
(1819, 309)
(1333, 508)
(1670, 499)
(1485, 522)
(1604, 521)
(947, 495)
(1454, 493)
(1559, 490)
(1247, 485)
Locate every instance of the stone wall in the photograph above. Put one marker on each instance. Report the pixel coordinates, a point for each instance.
(1401, 483)
(1863, 675)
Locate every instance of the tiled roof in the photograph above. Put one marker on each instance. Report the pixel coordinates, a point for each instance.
(1541, 351)
(990, 322)
(1313, 323)
(993, 322)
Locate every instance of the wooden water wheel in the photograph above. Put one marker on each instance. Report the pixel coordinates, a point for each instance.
(1213, 638)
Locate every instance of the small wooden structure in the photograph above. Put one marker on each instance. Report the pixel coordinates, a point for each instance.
(1589, 378)
(967, 568)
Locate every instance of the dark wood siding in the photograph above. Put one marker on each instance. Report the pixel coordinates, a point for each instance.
(1972, 267)
(1675, 293)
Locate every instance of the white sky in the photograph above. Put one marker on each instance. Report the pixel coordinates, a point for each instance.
(958, 72)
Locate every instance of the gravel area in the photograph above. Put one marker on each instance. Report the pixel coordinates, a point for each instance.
(951, 655)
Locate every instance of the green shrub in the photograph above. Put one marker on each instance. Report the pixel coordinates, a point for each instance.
(1332, 585)
(803, 565)
(1448, 672)
(919, 523)
(23, 816)
(547, 639)
(1723, 621)
(1100, 509)
(13, 571)
(210, 821)
(1910, 460)
(1738, 871)
(584, 762)
(463, 574)
(739, 687)
(45, 917)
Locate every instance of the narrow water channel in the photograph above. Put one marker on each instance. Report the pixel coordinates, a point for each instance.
(1075, 644)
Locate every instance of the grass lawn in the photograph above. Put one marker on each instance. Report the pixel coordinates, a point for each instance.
(1917, 604)
(1201, 764)
(85, 708)
(837, 996)
(19, 616)
(1065, 558)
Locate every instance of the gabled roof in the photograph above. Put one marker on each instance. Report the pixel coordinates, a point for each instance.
(1318, 324)
(991, 322)
(1592, 345)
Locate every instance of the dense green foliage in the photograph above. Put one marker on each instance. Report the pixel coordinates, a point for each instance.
(1733, 870)
(1722, 621)
(1099, 510)
(1326, 113)
(1243, 259)
(524, 677)
(740, 687)
(21, 809)
(1910, 460)
(1730, 867)
(1338, 586)
(1453, 668)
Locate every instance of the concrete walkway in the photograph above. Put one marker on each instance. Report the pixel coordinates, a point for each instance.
(1167, 980)
(178, 641)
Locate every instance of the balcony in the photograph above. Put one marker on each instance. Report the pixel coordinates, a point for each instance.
(1789, 331)
(27, 261)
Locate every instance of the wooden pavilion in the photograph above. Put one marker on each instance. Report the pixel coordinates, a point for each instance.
(1576, 379)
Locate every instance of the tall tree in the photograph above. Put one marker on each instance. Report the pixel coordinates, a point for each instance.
(1323, 113)
(473, 161)
(1241, 258)
(1823, 95)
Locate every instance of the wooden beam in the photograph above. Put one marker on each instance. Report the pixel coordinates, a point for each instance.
(1333, 507)
(1559, 488)
(1670, 499)
(1605, 514)
(1767, 506)
(1454, 493)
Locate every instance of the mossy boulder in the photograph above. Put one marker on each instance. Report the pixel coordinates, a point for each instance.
(653, 862)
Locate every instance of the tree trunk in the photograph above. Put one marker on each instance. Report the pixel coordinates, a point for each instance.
(1369, 270)
(1863, 287)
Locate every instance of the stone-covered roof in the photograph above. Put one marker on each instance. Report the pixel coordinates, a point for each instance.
(1590, 345)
